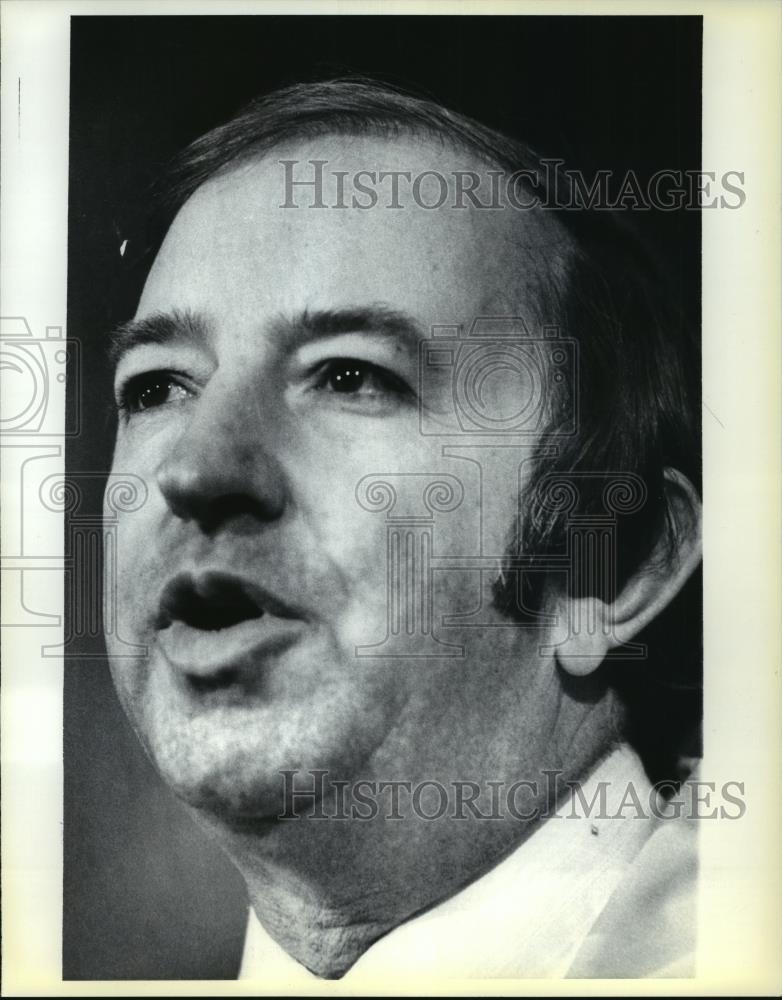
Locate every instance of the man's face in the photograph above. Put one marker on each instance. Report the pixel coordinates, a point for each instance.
(285, 373)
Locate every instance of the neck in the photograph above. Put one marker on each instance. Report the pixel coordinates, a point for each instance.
(326, 888)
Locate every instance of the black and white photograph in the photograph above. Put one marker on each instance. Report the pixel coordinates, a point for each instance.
(382, 437)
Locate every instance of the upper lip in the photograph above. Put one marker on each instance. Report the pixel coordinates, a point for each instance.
(213, 599)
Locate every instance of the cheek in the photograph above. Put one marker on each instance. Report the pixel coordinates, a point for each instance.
(338, 520)
(351, 519)
(134, 571)
(130, 511)
(352, 543)
(401, 503)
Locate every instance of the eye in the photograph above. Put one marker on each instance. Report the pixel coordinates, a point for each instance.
(352, 378)
(149, 391)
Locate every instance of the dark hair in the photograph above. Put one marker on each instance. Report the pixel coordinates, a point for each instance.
(638, 411)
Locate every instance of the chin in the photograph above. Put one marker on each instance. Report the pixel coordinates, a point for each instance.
(224, 754)
(227, 787)
(235, 775)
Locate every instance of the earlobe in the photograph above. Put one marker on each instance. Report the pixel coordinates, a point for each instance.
(588, 638)
(594, 626)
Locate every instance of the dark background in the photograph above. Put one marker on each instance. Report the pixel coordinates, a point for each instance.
(145, 895)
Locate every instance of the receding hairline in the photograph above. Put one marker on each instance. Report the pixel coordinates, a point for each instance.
(354, 106)
(387, 133)
(357, 106)
(534, 229)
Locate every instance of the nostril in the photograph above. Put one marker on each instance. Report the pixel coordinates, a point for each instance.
(243, 511)
(216, 483)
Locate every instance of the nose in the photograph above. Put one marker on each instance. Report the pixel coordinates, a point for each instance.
(221, 470)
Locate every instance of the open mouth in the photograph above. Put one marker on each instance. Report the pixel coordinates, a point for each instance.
(211, 602)
(216, 629)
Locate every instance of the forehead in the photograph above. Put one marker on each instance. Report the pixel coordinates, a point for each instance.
(250, 240)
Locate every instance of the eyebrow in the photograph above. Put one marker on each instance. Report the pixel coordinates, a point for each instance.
(187, 326)
(180, 325)
(377, 318)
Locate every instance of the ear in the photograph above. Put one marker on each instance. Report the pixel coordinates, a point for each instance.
(600, 626)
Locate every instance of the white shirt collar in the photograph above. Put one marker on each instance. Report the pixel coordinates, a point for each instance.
(526, 918)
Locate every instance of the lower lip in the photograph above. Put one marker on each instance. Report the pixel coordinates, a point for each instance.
(202, 653)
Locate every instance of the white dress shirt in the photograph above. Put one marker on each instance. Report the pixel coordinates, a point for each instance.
(585, 896)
